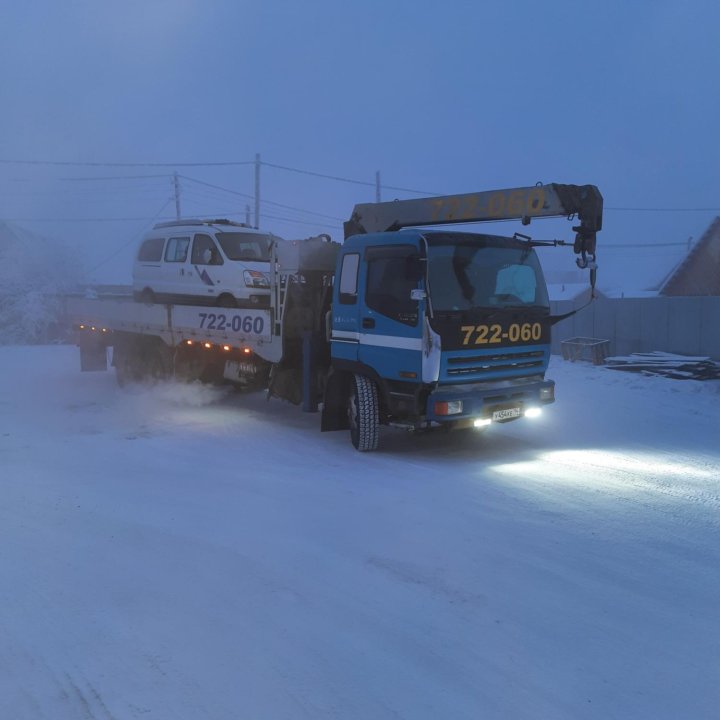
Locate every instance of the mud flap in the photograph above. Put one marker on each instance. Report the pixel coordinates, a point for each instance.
(93, 352)
(334, 412)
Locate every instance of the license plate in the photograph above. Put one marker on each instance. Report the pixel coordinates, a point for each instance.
(506, 414)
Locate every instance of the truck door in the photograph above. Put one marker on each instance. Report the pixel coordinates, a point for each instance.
(345, 319)
(391, 322)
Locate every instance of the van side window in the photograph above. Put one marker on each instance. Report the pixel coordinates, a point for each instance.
(151, 250)
(205, 252)
(349, 279)
(177, 249)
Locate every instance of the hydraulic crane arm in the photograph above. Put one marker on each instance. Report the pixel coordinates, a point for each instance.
(552, 200)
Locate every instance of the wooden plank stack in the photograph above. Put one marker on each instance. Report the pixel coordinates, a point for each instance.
(677, 367)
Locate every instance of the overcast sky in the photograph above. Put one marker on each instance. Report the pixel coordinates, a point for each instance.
(444, 97)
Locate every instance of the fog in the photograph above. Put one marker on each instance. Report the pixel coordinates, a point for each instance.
(183, 551)
(102, 104)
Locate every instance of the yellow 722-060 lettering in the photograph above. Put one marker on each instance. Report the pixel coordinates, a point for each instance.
(493, 334)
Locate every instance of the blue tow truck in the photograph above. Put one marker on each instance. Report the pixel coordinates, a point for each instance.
(405, 323)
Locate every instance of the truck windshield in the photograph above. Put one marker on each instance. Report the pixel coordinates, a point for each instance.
(483, 271)
(245, 246)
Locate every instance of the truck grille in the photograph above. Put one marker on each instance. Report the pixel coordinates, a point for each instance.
(502, 362)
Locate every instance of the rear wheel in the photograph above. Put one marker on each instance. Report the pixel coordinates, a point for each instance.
(126, 365)
(157, 363)
(363, 414)
(141, 359)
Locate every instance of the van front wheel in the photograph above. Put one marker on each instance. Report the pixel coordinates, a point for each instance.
(226, 301)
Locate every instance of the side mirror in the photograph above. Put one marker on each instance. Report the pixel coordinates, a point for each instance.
(417, 294)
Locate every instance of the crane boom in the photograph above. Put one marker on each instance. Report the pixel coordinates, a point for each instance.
(552, 200)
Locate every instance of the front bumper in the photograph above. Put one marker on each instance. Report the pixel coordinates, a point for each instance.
(481, 400)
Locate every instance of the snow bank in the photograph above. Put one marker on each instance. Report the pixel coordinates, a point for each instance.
(184, 552)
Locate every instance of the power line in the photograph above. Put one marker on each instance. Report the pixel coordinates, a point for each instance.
(662, 209)
(134, 239)
(287, 168)
(125, 219)
(69, 163)
(648, 246)
(272, 217)
(309, 212)
(343, 179)
(267, 202)
(299, 222)
(85, 192)
(114, 177)
(216, 187)
(316, 174)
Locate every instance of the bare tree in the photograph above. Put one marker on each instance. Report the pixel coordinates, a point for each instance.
(33, 273)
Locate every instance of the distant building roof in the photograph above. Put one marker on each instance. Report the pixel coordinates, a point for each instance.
(616, 293)
(699, 272)
(570, 291)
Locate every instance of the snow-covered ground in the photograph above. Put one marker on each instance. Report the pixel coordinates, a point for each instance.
(182, 552)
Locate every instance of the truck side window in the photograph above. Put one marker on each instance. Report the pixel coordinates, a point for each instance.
(205, 252)
(151, 250)
(349, 279)
(177, 249)
(389, 284)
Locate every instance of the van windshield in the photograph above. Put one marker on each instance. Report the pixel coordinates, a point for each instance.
(245, 246)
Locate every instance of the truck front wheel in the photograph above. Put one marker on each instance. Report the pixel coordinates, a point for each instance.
(363, 414)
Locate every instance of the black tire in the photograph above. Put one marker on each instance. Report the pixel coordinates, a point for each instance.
(147, 296)
(122, 369)
(226, 301)
(126, 370)
(155, 366)
(363, 414)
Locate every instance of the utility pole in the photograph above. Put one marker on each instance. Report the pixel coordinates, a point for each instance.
(257, 190)
(377, 187)
(247, 215)
(176, 183)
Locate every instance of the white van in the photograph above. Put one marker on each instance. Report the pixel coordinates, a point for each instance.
(204, 262)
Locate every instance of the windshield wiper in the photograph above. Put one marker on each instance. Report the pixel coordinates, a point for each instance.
(501, 310)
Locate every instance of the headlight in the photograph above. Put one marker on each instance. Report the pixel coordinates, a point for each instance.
(451, 407)
(533, 412)
(256, 279)
(547, 393)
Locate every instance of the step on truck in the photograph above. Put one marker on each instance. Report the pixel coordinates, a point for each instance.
(406, 323)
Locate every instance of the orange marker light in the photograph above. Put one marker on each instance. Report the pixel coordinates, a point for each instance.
(227, 348)
(207, 345)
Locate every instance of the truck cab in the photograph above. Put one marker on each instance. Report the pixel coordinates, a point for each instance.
(451, 327)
